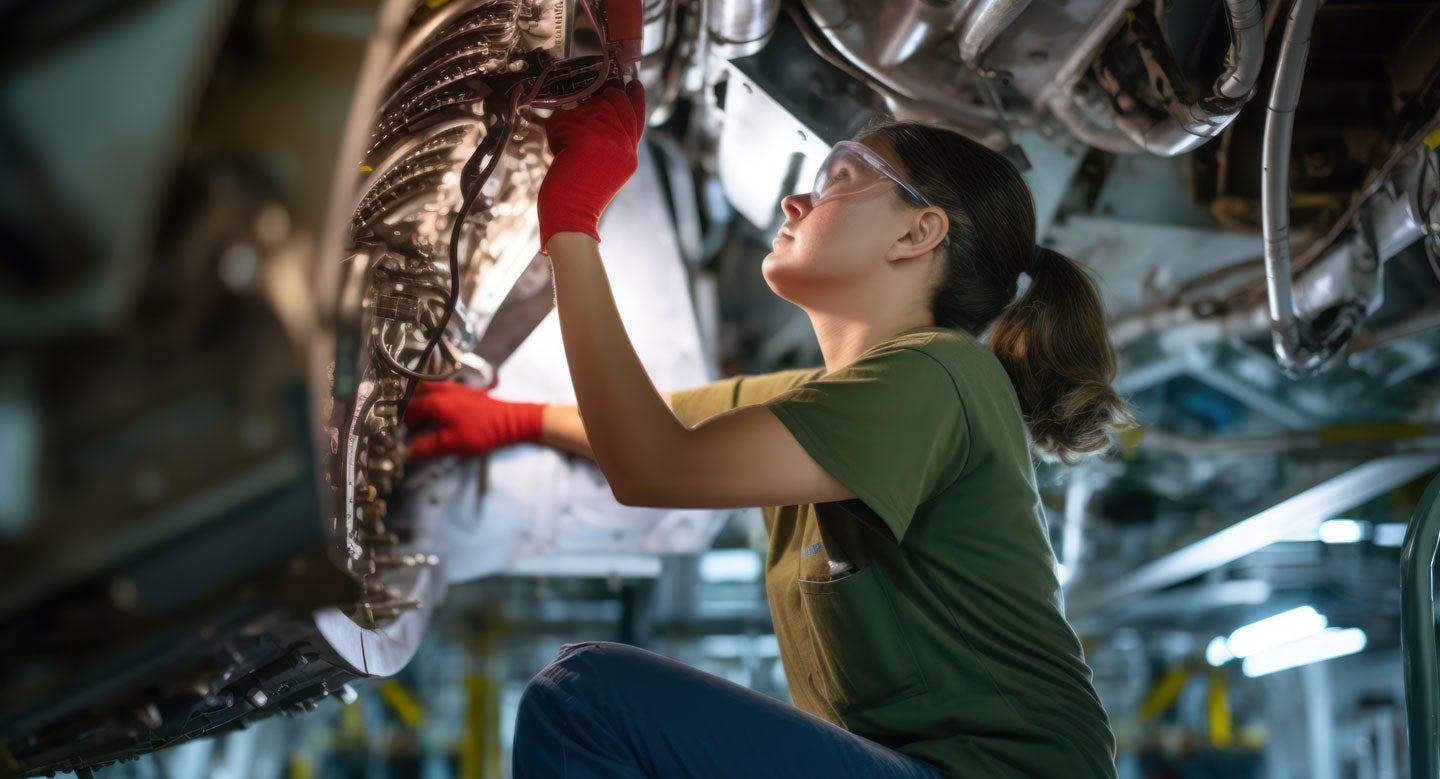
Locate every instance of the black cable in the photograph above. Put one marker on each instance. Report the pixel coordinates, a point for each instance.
(472, 179)
(394, 365)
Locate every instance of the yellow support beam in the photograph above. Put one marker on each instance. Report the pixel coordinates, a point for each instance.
(1217, 709)
(1164, 692)
(402, 703)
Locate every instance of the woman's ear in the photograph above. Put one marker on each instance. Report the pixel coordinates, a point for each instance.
(928, 228)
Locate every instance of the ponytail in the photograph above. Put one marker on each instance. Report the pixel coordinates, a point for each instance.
(1054, 343)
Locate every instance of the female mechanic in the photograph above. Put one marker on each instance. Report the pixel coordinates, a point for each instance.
(910, 574)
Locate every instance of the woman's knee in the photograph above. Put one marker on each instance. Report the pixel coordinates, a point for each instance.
(581, 671)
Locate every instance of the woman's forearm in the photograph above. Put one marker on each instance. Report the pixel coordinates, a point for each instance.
(628, 425)
(562, 429)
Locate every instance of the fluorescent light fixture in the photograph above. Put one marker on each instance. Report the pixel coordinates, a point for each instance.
(1390, 534)
(1306, 509)
(1325, 645)
(1218, 652)
(1342, 531)
(1274, 631)
(730, 565)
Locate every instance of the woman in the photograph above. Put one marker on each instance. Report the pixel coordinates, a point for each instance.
(909, 573)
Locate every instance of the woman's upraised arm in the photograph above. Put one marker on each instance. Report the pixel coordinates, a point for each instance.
(744, 458)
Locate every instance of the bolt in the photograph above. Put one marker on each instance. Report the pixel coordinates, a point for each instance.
(348, 695)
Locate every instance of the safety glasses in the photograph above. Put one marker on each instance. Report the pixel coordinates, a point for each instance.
(851, 169)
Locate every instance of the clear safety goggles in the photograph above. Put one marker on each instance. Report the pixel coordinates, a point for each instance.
(850, 169)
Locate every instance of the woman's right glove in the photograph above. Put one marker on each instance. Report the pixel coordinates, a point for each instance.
(467, 421)
(595, 154)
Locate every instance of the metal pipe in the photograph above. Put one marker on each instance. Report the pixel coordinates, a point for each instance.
(904, 96)
(1109, 139)
(896, 36)
(739, 28)
(984, 25)
(1186, 128)
(1059, 96)
(1417, 634)
(1188, 125)
(1275, 197)
(1247, 49)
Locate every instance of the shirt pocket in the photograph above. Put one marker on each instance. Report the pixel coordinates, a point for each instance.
(863, 656)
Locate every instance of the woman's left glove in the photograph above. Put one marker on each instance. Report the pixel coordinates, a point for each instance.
(594, 146)
(468, 421)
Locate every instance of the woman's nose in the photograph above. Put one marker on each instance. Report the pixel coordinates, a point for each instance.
(796, 206)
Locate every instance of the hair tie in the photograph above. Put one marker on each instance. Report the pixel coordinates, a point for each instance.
(1022, 285)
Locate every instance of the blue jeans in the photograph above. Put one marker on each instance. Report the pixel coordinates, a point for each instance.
(611, 711)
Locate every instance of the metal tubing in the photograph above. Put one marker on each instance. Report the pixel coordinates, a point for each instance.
(1417, 634)
(740, 28)
(1059, 96)
(1110, 139)
(984, 25)
(1189, 125)
(1247, 49)
(1275, 197)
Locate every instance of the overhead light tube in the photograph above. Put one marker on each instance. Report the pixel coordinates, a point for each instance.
(1275, 631)
(1326, 645)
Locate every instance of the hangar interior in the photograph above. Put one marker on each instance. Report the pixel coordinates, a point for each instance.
(222, 277)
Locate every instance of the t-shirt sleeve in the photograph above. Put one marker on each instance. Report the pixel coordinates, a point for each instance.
(891, 427)
(694, 406)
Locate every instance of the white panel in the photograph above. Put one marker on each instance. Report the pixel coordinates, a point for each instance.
(544, 511)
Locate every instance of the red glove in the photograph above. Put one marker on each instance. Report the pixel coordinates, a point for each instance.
(594, 145)
(468, 421)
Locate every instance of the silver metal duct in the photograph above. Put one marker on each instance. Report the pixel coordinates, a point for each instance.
(1190, 125)
(1247, 49)
(984, 25)
(1110, 139)
(1275, 197)
(1186, 129)
(895, 36)
(739, 28)
(1061, 99)
(848, 42)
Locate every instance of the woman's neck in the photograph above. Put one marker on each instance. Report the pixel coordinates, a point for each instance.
(843, 339)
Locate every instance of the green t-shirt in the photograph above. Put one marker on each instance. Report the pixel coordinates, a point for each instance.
(940, 632)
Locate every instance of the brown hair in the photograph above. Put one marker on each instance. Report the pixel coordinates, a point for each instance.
(1053, 341)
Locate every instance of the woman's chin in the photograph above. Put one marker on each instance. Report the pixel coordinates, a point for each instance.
(776, 277)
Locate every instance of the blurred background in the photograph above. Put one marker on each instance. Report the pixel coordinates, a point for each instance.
(235, 233)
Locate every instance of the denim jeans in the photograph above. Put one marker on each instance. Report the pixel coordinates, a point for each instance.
(611, 711)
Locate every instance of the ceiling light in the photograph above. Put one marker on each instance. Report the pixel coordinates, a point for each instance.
(1390, 534)
(1325, 645)
(1342, 531)
(1218, 652)
(1274, 631)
